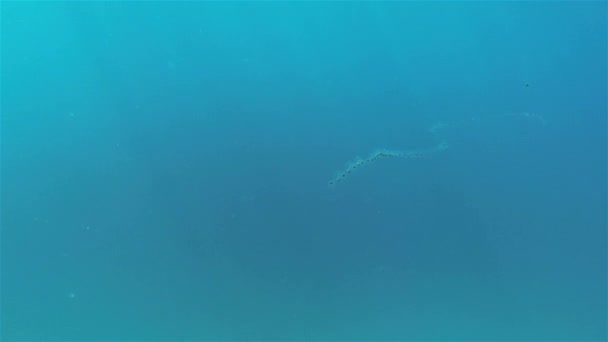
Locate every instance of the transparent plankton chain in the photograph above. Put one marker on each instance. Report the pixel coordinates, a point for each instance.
(383, 154)
(436, 132)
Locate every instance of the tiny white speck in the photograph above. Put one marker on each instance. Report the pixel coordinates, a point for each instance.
(71, 295)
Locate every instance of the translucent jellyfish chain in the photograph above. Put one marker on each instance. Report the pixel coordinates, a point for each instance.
(436, 131)
(383, 154)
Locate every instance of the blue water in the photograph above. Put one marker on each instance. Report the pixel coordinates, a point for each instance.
(166, 171)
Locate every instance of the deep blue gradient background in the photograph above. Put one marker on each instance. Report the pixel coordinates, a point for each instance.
(165, 171)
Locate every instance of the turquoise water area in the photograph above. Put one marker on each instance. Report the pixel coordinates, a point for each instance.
(165, 170)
